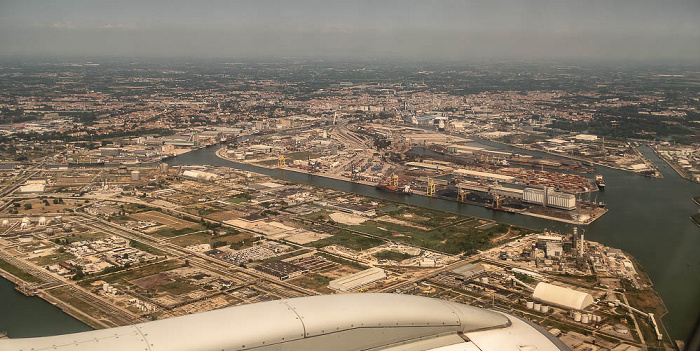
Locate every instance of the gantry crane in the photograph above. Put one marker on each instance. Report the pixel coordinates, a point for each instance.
(394, 180)
(430, 191)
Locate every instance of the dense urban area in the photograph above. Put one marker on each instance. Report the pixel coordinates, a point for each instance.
(97, 220)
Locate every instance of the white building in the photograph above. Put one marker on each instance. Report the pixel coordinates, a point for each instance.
(357, 280)
(562, 297)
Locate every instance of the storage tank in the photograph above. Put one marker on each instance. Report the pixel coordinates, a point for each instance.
(545, 309)
(58, 219)
(136, 175)
(26, 220)
(49, 231)
(67, 227)
(585, 319)
(530, 305)
(42, 220)
(538, 307)
(5, 223)
(577, 317)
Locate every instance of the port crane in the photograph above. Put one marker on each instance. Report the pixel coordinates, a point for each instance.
(431, 188)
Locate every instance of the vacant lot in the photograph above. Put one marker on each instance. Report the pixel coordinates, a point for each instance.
(152, 281)
(163, 218)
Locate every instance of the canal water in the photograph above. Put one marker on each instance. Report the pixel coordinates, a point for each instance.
(648, 218)
(23, 316)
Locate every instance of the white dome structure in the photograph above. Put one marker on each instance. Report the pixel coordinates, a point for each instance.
(561, 296)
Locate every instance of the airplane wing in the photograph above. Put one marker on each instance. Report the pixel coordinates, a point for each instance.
(343, 322)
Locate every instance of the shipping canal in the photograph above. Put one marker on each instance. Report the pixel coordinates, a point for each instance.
(648, 218)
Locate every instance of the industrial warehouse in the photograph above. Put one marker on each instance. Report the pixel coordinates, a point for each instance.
(358, 280)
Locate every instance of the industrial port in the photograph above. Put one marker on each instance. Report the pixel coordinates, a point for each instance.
(435, 164)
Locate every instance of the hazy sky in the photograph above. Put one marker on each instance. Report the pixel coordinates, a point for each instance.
(451, 30)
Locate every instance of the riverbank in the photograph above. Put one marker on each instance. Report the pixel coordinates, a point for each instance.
(672, 165)
(588, 220)
(585, 161)
(67, 308)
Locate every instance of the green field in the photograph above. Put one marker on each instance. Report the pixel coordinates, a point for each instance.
(348, 239)
(204, 238)
(452, 238)
(17, 272)
(136, 272)
(171, 232)
(393, 256)
(314, 282)
(53, 258)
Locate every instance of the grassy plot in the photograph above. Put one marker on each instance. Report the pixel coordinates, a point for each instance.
(66, 295)
(348, 239)
(136, 272)
(18, 272)
(55, 257)
(313, 281)
(451, 239)
(204, 238)
(171, 232)
(426, 217)
(147, 248)
(393, 256)
(177, 287)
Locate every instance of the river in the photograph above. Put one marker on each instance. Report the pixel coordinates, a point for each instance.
(648, 218)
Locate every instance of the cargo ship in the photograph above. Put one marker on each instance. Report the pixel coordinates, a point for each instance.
(600, 182)
(395, 189)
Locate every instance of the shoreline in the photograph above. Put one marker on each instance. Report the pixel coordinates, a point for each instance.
(219, 154)
(62, 305)
(673, 166)
(524, 147)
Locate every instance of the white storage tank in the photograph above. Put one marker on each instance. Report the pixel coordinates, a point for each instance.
(42, 221)
(545, 309)
(530, 305)
(5, 222)
(585, 319)
(577, 317)
(538, 307)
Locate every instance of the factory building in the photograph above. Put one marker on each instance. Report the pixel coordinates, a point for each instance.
(562, 297)
(469, 270)
(554, 198)
(357, 280)
(281, 269)
(199, 175)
